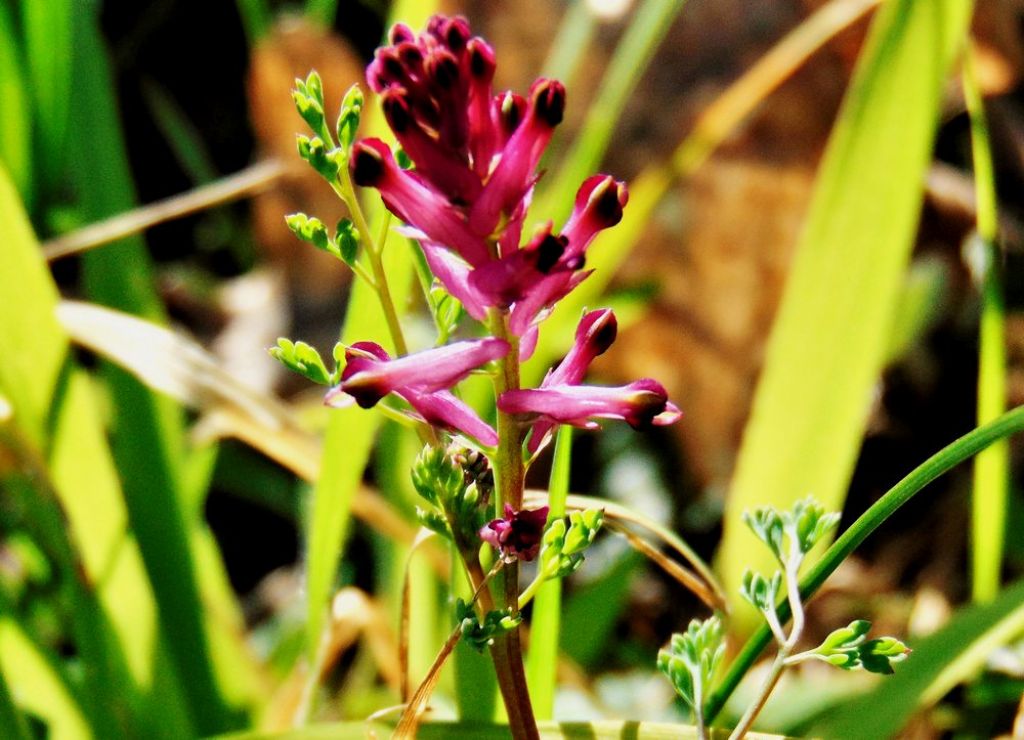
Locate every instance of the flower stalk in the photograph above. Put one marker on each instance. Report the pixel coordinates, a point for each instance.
(509, 479)
(786, 647)
(462, 186)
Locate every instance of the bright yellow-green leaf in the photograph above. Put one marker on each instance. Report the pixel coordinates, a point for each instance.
(86, 481)
(829, 340)
(33, 344)
(36, 686)
(991, 467)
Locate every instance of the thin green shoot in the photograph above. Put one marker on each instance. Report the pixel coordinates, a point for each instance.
(991, 467)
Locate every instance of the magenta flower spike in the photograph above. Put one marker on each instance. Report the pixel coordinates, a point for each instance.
(370, 374)
(517, 536)
(640, 404)
(466, 198)
(476, 155)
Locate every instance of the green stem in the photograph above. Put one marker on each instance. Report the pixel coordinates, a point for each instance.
(698, 711)
(374, 249)
(755, 708)
(991, 468)
(509, 478)
(796, 608)
(379, 278)
(941, 462)
(529, 592)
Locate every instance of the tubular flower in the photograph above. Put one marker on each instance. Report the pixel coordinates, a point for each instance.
(475, 155)
(640, 404)
(517, 536)
(422, 379)
(594, 335)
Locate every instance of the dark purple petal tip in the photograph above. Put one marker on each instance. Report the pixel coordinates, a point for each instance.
(549, 101)
(367, 163)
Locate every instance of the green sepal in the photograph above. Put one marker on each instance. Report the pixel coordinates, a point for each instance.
(691, 658)
(328, 162)
(309, 101)
(303, 359)
(761, 592)
(433, 520)
(346, 238)
(481, 634)
(348, 119)
(310, 229)
(403, 159)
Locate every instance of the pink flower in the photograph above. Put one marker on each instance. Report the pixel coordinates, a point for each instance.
(414, 201)
(422, 379)
(641, 404)
(518, 535)
(443, 410)
(594, 335)
(599, 204)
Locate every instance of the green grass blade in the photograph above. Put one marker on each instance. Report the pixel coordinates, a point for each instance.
(829, 339)
(37, 686)
(85, 481)
(54, 409)
(322, 12)
(991, 467)
(148, 436)
(351, 431)
(570, 44)
(256, 19)
(545, 624)
(48, 28)
(15, 117)
(966, 447)
(12, 722)
(34, 345)
(647, 28)
(939, 662)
